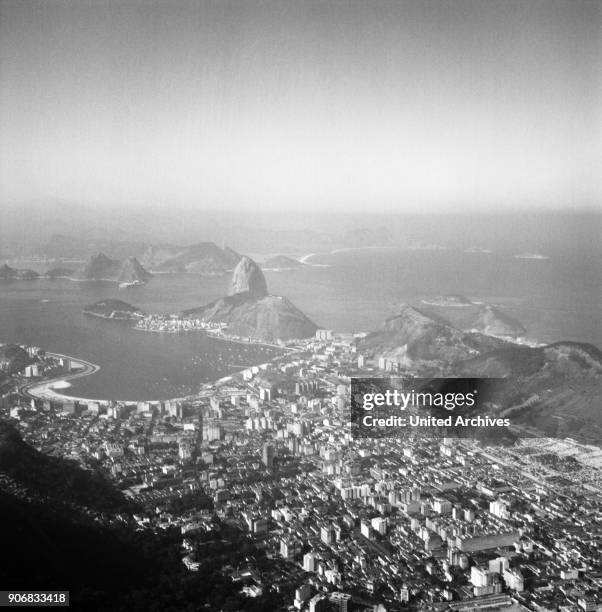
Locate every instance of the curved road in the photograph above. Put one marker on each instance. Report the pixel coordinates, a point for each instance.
(44, 390)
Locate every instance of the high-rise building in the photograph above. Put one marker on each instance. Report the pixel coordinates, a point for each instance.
(498, 565)
(289, 547)
(340, 601)
(514, 579)
(327, 534)
(268, 455)
(379, 524)
(174, 409)
(212, 432)
(404, 594)
(475, 542)
(302, 594)
(310, 562)
(499, 508)
(184, 450)
(442, 506)
(318, 603)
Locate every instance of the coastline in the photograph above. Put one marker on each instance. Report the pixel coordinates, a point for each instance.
(305, 258)
(210, 334)
(45, 389)
(428, 247)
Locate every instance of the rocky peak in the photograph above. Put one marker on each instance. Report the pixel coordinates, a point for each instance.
(132, 271)
(248, 278)
(6, 271)
(409, 319)
(100, 258)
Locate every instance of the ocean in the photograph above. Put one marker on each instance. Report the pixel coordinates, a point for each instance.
(558, 298)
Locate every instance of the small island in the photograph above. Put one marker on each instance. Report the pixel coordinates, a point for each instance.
(531, 256)
(452, 300)
(114, 309)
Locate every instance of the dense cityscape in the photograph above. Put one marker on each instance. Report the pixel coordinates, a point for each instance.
(350, 524)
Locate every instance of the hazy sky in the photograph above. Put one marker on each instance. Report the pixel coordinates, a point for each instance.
(318, 105)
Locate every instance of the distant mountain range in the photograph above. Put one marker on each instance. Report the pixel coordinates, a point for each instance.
(201, 258)
(252, 239)
(121, 231)
(100, 267)
(204, 258)
(63, 247)
(169, 257)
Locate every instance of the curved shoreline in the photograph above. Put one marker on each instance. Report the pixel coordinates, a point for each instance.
(45, 390)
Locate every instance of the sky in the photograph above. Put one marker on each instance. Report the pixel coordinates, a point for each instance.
(318, 106)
